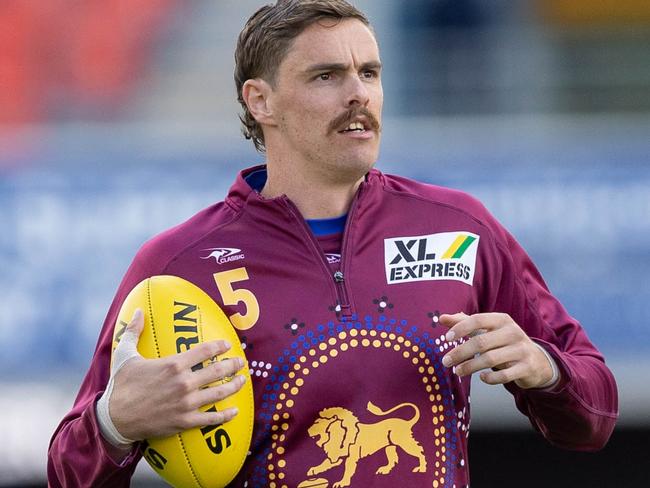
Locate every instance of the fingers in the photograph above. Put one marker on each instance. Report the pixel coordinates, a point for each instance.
(217, 370)
(211, 417)
(160, 397)
(449, 320)
(201, 352)
(127, 347)
(180, 422)
(462, 325)
(500, 358)
(503, 376)
(477, 345)
(189, 403)
(497, 344)
(214, 394)
(182, 370)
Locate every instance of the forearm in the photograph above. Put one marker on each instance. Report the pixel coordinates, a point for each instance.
(581, 410)
(79, 455)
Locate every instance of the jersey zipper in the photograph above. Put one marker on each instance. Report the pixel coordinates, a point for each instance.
(340, 276)
(343, 307)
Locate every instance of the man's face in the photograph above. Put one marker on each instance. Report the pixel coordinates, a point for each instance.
(329, 79)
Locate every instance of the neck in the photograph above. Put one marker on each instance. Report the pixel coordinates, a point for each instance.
(315, 196)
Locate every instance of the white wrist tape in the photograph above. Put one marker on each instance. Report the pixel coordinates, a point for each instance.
(556, 370)
(106, 426)
(125, 350)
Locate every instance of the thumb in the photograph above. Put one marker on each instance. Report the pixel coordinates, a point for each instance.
(449, 320)
(127, 348)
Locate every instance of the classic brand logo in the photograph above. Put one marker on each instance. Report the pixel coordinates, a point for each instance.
(444, 256)
(224, 255)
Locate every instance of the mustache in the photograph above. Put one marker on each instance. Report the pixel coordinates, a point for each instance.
(349, 115)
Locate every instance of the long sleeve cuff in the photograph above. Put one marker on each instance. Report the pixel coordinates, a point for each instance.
(550, 384)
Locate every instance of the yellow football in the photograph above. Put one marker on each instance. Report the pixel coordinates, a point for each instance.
(179, 315)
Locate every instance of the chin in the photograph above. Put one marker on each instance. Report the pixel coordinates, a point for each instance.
(363, 160)
(354, 169)
(347, 165)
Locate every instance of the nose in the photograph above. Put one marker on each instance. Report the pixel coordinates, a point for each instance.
(358, 94)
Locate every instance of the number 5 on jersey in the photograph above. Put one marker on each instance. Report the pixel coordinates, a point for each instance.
(231, 296)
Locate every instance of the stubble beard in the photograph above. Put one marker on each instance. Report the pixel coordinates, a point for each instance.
(332, 161)
(345, 167)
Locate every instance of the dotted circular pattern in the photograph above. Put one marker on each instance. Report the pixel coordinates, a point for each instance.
(315, 349)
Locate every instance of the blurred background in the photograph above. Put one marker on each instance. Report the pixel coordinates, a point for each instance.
(118, 119)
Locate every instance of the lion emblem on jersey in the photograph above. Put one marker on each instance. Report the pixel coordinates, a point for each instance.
(346, 440)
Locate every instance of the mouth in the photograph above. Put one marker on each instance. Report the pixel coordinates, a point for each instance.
(354, 127)
(357, 123)
(359, 129)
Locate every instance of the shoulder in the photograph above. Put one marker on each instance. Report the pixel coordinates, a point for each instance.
(445, 201)
(158, 252)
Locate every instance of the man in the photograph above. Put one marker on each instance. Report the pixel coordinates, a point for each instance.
(368, 299)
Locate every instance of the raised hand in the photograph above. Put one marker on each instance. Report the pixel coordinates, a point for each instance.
(496, 342)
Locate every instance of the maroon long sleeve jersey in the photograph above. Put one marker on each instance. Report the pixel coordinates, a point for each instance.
(345, 351)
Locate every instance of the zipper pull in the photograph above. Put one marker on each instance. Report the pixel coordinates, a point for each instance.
(338, 277)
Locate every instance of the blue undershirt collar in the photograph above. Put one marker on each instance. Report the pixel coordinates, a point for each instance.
(324, 227)
(320, 227)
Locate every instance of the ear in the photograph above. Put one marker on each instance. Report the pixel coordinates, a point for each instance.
(256, 94)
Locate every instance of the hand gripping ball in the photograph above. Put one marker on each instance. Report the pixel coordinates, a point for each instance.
(178, 315)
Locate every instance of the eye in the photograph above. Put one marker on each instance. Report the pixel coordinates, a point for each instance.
(369, 74)
(325, 76)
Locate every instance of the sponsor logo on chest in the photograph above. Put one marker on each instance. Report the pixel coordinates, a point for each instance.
(444, 256)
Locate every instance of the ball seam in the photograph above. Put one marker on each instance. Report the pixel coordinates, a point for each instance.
(187, 460)
(155, 339)
(153, 328)
(251, 395)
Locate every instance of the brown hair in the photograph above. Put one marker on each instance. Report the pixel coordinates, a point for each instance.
(266, 38)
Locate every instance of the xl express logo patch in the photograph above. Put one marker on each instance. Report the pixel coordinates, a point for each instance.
(444, 256)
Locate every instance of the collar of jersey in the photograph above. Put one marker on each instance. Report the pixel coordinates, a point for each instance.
(320, 227)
